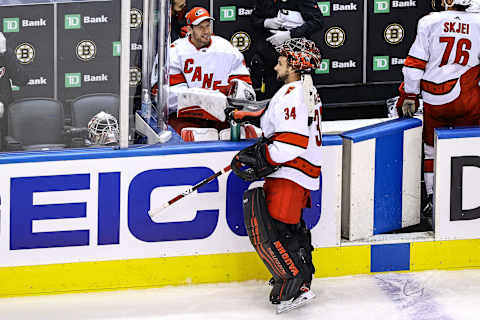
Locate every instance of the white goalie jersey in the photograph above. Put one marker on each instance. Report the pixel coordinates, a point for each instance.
(447, 47)
(212, 67)
(296, 145)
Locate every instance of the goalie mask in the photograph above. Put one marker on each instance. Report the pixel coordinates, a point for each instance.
(241, 90)
(103, 129)
(301, 54)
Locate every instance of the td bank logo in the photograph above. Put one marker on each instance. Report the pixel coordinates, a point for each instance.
(324, 67)
(73, 80)
(381, 63)
(324, 8)
(73, 21)
(228, 13)
(11, 25)
(381, 6)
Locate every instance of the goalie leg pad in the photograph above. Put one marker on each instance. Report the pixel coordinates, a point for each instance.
(282, 247)
(199, 134)
(305, 238)
(261, 232)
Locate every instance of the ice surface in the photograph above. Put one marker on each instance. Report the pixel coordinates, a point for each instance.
(445, 295)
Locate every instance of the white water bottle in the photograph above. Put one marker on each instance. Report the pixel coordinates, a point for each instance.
(146, 110)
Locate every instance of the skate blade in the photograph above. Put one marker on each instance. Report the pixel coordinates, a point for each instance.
(304, 298)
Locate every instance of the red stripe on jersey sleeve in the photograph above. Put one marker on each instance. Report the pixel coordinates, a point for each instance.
(177, 79)
(292, 138)
(416, 63)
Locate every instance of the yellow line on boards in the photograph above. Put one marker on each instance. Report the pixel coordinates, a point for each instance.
(158, 272)
(451, 254)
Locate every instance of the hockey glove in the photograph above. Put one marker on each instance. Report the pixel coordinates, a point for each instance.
(278, 37)
(272, 23)
(407, 103)
(409, 107)
(254, 158)
(240, 116)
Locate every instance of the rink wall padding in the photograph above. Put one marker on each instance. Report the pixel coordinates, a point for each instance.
(381, 175)
(457, 161)
(76, 220)
(157, 272)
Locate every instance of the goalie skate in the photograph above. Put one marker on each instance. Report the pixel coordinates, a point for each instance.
(294, 303)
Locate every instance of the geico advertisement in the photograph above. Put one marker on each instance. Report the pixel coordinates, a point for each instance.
(97, 209)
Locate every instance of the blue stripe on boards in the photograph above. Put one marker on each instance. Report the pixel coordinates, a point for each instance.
(465, 132)
(382, 129)
(387, 212)
(390, 257)
(132, 151)
(331, 140)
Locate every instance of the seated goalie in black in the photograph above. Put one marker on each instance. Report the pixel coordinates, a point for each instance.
(285, 249)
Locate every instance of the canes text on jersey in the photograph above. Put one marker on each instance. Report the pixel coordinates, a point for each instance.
(207, 78)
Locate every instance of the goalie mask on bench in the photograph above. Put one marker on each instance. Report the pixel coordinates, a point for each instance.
(103, 129)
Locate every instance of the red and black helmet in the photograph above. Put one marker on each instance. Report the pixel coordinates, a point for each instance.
(301, 54)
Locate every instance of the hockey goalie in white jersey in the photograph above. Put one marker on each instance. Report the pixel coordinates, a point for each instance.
(288, 157)
(443, 67)
(202, 66)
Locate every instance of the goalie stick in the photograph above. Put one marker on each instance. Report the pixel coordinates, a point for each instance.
(156, 211)
(250, 105)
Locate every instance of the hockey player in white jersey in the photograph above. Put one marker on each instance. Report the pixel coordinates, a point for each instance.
(443, 67)
(203, 60)
(288, 156)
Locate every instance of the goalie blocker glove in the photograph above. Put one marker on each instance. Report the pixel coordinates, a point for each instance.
(255, 159)
(241, 116)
